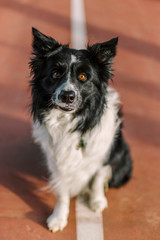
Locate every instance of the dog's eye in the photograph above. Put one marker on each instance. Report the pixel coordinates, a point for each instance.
(82, 77)
(56, 74)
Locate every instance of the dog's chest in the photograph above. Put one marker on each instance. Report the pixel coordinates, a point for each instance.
(76, 159)
(71, 153)
(72, 159)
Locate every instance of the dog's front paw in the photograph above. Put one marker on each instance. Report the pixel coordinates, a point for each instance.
(56, 223)
(98, 204)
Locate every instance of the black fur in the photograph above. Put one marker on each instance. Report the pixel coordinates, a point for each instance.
(121, 162)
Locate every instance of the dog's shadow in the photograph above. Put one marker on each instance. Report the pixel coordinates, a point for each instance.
(22, 171)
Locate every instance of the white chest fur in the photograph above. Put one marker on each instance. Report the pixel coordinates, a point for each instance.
(72, 167)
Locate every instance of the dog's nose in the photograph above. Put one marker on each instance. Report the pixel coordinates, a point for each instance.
(67, 96)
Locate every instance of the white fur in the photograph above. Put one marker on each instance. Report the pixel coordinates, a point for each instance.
(71, 167)
(73, 59)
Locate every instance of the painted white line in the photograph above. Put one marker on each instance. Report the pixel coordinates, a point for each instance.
(89, 224)
(78, 26)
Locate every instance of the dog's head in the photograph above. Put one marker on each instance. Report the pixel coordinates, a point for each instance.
(68, 79)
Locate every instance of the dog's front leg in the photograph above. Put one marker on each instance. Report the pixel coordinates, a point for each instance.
(98, 201)
(58, 219)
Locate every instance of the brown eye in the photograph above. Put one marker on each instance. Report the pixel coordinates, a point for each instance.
(82, 77)
(56, 75)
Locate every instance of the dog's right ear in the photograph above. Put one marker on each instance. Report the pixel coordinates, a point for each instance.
(42, 44)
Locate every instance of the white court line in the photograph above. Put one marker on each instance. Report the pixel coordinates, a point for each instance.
(78, 26)
(89, 224)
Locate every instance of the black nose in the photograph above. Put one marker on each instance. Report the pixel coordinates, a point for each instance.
(67, 96)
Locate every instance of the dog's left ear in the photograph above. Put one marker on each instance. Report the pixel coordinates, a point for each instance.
(42, 44)
(104, 52)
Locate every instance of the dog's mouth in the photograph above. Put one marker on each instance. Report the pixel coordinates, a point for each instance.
(66, 109)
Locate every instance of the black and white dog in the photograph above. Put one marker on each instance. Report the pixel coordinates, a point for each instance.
(77, 122)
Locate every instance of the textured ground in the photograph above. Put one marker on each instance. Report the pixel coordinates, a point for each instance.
(134, 210)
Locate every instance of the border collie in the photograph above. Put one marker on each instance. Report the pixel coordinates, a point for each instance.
(77, 122)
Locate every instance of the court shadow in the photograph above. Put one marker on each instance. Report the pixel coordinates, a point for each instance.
(22, 170)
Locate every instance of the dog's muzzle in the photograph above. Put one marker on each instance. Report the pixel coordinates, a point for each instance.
(67, 101)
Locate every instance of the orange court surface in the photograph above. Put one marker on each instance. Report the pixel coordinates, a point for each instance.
(134, 209)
